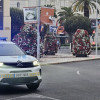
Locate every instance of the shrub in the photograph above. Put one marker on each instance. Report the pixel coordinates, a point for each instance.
(50, 44)
(81, 43)
(27, 40)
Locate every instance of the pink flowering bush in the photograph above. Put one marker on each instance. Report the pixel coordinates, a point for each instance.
(50, 44)
(81, 43)
(27, 39)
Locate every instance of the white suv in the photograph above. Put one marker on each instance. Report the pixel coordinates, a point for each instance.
(17, 68)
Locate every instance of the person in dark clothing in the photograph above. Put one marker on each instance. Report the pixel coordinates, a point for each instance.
(42, 34)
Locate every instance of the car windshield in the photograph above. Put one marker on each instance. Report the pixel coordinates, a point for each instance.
(10, 50)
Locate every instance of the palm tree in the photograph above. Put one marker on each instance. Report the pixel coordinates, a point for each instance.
(65, 13)
(86, 6)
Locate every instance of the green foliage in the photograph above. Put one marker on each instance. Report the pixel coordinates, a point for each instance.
(17, 20)
(65, 13)
(77, 22)
(86, 6)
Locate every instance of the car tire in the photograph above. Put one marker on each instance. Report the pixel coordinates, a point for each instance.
(33, 86)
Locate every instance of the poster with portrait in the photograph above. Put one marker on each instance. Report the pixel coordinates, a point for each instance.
(93, 23)
(60, 30)
(30, 14)
(1, 14)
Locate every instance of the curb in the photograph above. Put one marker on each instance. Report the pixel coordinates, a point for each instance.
(68, 61)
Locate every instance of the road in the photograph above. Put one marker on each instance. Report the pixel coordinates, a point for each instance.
(68, 81)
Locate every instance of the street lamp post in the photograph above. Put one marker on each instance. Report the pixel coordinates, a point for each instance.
(96, 31)
(45, 2)
(38, 32)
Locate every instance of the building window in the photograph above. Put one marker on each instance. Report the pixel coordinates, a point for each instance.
(18, 4)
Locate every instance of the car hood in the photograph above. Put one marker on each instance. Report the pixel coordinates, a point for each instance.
(12, 59)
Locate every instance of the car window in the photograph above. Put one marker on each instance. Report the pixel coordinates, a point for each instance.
(10, 50)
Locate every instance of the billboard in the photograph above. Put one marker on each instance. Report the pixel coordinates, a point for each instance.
(53, 29)
(30, 14)
(1, 14)
(60, 30)
(93, 23)
(46, 15)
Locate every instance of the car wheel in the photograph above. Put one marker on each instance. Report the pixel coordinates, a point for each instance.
(33, 86)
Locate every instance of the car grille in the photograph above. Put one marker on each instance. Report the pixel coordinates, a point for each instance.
(21, 65)
(16, 81)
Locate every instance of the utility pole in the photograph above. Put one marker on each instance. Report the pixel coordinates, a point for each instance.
(45, 2)
(96, 31)
(38, 32)
(64, 3)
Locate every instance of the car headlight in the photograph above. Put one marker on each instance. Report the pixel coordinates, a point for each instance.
(1, 64)
(36, 63)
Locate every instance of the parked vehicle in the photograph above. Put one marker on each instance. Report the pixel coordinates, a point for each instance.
(18, 68)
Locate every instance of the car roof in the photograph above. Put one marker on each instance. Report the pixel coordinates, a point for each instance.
(6, 42)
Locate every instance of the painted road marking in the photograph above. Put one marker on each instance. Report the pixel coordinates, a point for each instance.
(78, 72)
(32, 96)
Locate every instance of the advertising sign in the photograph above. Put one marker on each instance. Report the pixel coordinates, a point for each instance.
(53, 29)
(93, 23)
(30, 14)
(60, 30)
(1, 14)
(47, 15)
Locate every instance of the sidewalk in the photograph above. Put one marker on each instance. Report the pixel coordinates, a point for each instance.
(62, 57)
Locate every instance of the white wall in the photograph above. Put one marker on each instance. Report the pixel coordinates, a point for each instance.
(6, 32)
(23, 3)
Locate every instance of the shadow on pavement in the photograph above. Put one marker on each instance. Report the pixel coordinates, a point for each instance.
(13, 89)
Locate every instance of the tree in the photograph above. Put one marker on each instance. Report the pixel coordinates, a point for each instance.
(77, 22)
(86, 6)
(17, 20)
(65, 13)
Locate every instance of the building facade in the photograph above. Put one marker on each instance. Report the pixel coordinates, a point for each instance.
(29, 3)
(58, 4)
(5, 23)
(22, 3)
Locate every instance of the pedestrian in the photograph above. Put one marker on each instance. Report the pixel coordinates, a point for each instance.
(42, 33)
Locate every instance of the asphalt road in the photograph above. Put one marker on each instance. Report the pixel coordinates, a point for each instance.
(68, 81)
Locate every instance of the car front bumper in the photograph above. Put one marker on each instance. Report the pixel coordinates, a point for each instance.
(20, 81)
(20, 76)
